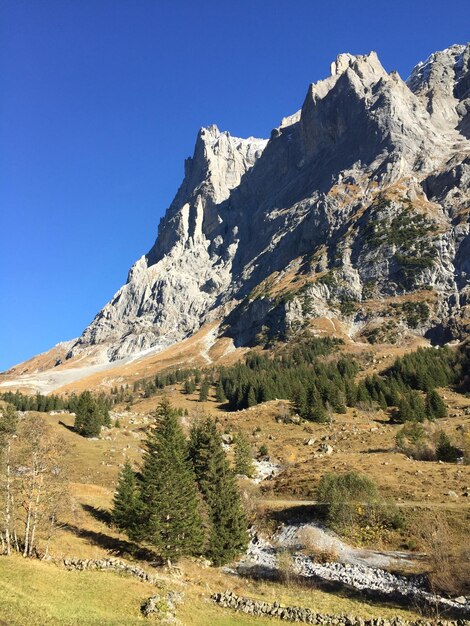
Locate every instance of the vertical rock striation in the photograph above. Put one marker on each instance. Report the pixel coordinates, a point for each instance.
(361, 196)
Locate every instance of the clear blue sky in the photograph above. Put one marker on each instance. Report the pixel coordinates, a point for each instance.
(101, 101)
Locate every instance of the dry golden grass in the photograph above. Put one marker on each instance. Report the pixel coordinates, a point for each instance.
(39, 593)
(362, 441)
(39, 362)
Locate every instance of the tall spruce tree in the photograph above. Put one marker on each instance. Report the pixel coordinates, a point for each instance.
(317, 413)
(418, 407)
(89, 415)
(170, 517)
(243, 456)
(251, 397)
(228, 534)
(435, 406)
(220, 393)
(127, 503)
(204, 390)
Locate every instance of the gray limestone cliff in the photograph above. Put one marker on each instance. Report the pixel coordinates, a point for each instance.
(356, 209)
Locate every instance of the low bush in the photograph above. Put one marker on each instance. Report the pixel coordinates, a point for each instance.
(317, 547)
(447, 556)
(350, 500)
(414, 440)
(424, 442)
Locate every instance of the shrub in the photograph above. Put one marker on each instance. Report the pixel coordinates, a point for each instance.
(327, 279)
(416, 313)
(317, 546)
(445, 451)
(347, 307)
(447, 557)
(286, 566)
(414, 440)
(354, 499)
(466, 445)
(424, 443)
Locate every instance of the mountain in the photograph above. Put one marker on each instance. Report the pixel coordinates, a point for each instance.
(356, 211)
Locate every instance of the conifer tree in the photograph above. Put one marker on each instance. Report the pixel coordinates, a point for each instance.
(445, 451)
(382, 401)
(228, 535)
(351, 392)
(243, 456)
(204, 390)
(189, 386)
(317, 413)
(170, 516)
(299, 400)
(127, 503)
(435, 406)
(251, 397)
(417, 406)
(362, 393)
(403, 413)
(89, 418)
(220, 393)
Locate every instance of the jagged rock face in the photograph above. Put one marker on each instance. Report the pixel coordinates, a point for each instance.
(361, 196)
(443, 83)
(170, 290)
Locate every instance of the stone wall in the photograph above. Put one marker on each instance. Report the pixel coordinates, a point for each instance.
(229, 600)
(113, 565)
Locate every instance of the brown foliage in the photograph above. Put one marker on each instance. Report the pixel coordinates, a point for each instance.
(448, 560)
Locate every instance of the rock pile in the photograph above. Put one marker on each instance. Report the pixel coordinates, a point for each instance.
(163, 606)
(355, 570)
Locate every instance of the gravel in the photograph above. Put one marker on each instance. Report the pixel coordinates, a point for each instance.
(351, 568)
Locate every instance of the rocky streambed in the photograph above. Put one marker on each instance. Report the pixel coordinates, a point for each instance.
(354, 568)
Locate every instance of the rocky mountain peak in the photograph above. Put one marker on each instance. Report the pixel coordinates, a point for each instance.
(364, 65)
(363, 193)
(442, 82)
(444, 66)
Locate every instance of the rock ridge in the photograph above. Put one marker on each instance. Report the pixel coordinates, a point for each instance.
(360, 196)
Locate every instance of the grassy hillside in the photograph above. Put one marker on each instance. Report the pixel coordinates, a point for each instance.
(362, 439)
(39, 594)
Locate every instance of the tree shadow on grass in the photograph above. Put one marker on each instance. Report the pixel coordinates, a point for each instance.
(114, 545)
(298, 514)
(101, 515)
(67, 426)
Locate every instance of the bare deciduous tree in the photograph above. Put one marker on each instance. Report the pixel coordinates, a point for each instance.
(32, 479)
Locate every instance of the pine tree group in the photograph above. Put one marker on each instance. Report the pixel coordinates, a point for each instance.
(162, 505)
(170, 520)
(91, 414)
(227, 524)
